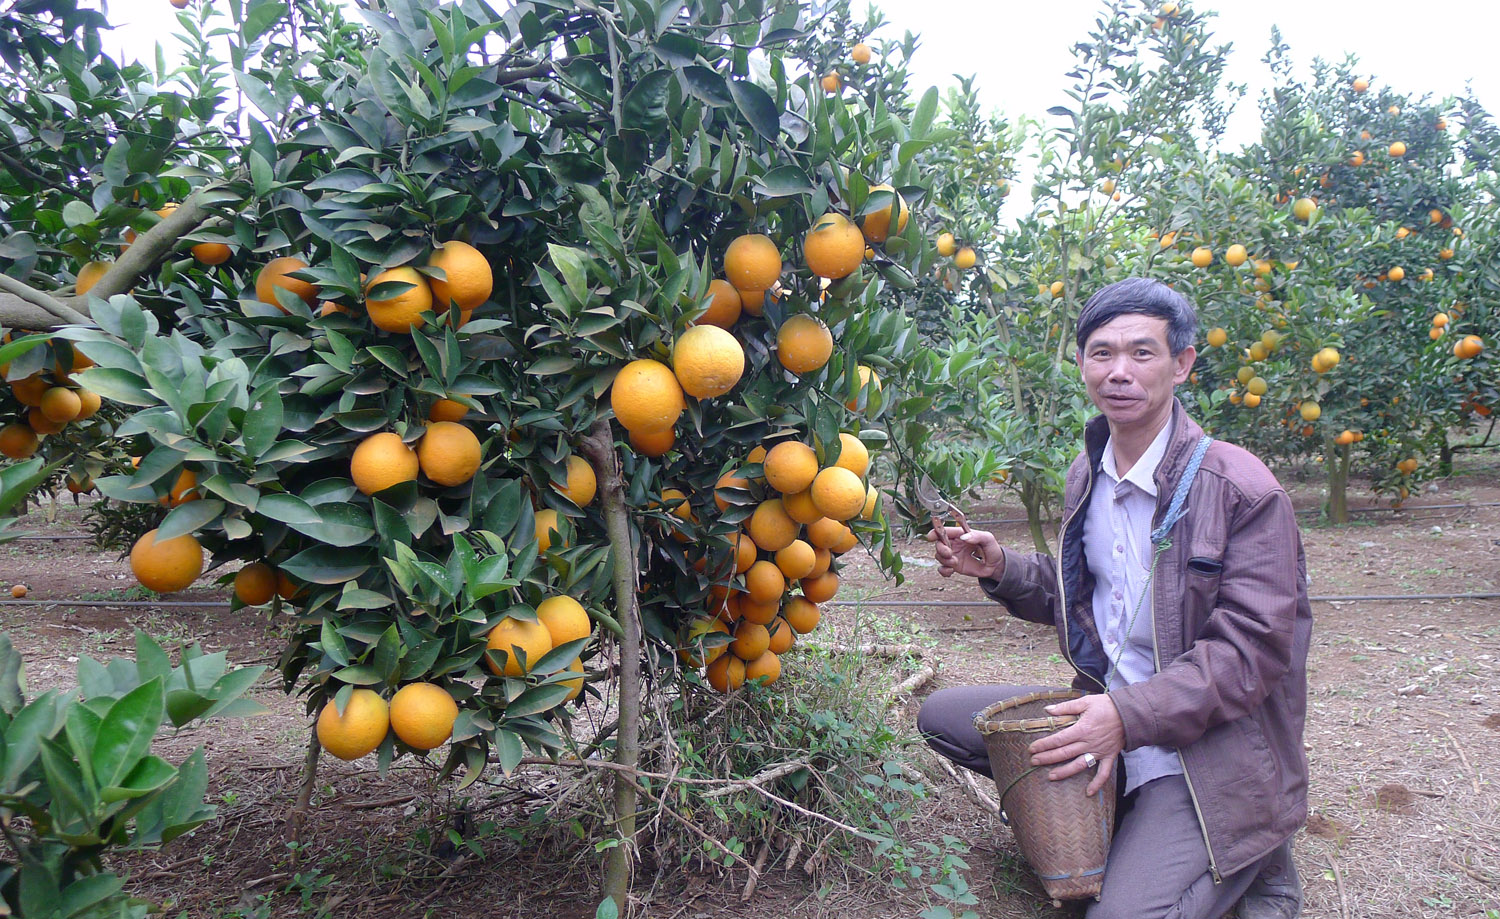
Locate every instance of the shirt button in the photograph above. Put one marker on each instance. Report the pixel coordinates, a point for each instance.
(1119, 596)
(1119, 548)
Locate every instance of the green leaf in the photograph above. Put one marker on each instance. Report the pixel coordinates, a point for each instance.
(783, 182)
(24, 735)
(537, 699)
(511, 752)
(327, 565)
(126, 732)
(757, 107)
(150, 774)
(338, 525)
(189, 517)
(260, 16)
(645, 106)
(926, 110)
(77, 213)
(263, 422)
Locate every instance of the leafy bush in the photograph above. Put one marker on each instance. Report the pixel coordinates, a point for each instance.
(76, 768)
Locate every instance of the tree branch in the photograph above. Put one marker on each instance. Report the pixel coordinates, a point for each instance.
(49, 309)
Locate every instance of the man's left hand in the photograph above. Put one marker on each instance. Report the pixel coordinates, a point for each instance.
(1098, 730)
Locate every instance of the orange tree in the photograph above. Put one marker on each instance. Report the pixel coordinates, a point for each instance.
(1145, 89)
(1344, 324)
(512, 311)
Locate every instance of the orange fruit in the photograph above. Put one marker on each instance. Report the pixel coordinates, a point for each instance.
(846, 542)
(800, 506)
(512, 639)
(381, 461)
(831, 83)
(822, 588)
(1310, 411)
(581, 485)
(823, 560)
(565, 618)
(876, 225)
(89, 403)
(19, 591)
(782, 636)
(838, 493)
(183, 490)
(469, 277)
(946, 244)
(834, 247)
(726, 674)
(1251, 400)
(422, 715)
(166, 566)
(449, 453)
(759, 613)
(764, 582)
(276, 274)
(872, 498)
(770, 526)
(60, 404)
(853, 455)
(18, 441)
(359, 730)
(696, 631)
(89, 275)
(708, 361)
(447, 410)
(1434, 333)
(400, 312)
(801, 614)
(825, 533)
(752, 262)
(728, 481)
(1203, 256)
(1217, 338)
(790, 467)
(767, 668)
(1397, 149)
(1236, 255)
(751, 639)
(42, 424)
(255, 584)
(803, 344)
(724, 305)
(653, 443)
(745, 552)
(1304, 208)
(868, 388)
(646, 396)
(860, 54)
(1468, 347)
(29, 390)
(965, 258)
(1361, 84)
(548, 527)
(796, 560)
(211, 253)
(1397, 273)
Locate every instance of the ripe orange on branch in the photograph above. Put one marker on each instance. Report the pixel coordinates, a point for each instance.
(381, 461)
(838, 493)
(646, 397)
(403, 311)
(724, 305)
(358, 730)
(255, 584)
(449, 453)
(790, 467)
(469, 279)
(834, 247)
(276, 274)
(803, 344)
(168, 565)
(752, 262)
(511, 635)
(707, 360)
(422, 715)
(876, 225)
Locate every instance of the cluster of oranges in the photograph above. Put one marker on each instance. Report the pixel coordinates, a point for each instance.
(832, 81)
(456, 275)
(52, 401)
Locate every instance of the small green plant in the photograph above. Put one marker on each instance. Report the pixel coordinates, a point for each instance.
(78, 766)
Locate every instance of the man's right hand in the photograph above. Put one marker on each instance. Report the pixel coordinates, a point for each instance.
(974, 553)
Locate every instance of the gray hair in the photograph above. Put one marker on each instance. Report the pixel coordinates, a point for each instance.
(1145, 296)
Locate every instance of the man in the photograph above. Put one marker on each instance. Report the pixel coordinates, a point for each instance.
(1191, 648)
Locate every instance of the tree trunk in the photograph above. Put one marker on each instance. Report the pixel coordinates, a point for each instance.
(1336, 459)
(619, 862)
(1445, 457)
(1031, 497)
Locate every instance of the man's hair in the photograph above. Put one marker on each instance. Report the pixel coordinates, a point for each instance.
(1145, 296)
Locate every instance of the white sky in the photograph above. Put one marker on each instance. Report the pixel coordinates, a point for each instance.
(1020, 51)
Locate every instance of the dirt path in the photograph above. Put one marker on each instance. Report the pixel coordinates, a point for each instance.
(1404, 728)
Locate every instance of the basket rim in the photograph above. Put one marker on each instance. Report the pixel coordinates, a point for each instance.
(986, 723)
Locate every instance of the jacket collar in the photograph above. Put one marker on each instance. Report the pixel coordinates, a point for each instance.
(1185, 436)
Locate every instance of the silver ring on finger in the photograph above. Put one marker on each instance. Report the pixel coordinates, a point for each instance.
(1090, 760)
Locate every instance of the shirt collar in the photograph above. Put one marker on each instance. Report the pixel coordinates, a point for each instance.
(1143, 474)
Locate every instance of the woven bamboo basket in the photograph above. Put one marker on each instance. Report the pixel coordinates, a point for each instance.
(1063, 832)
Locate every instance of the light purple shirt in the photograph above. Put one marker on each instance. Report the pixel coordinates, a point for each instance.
(1117, 548)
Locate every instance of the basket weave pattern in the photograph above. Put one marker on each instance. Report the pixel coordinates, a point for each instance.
(1063, 833)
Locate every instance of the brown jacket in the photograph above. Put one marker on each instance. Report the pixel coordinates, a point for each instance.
(1232, 627)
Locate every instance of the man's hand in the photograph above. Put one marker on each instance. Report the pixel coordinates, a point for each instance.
(974, 553)
(1098, 730)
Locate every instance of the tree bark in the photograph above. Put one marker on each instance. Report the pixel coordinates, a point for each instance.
(1031, 497)
(619, 862)
(1336, 459)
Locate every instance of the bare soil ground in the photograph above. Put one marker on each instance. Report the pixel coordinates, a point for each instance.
(1403, 737)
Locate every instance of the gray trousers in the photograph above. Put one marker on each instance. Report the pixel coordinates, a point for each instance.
(1158, 863)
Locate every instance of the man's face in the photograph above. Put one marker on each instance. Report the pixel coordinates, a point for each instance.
(1129, 371)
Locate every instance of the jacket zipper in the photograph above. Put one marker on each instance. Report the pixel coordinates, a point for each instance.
(1213, 865)
(1062, 582)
